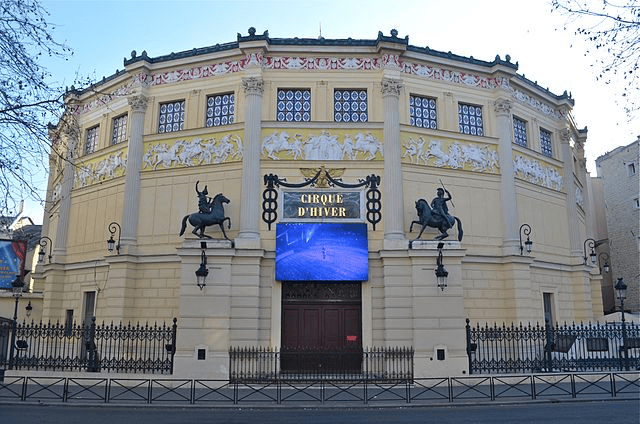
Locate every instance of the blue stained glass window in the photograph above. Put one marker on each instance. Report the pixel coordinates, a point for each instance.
(470, 119)
(119, 133)
(423, 112)
(350, 106)
(519, 132)
(220, 108)
(92, 140)
(545, 143)
(171, 117)
(297, 100)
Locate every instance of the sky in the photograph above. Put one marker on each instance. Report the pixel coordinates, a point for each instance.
(103, 33)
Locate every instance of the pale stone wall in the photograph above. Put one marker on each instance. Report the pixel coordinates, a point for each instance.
(621, 191)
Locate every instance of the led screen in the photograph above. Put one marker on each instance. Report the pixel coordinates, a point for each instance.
(321, 252)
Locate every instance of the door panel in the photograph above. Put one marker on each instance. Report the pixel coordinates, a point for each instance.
(314, 337)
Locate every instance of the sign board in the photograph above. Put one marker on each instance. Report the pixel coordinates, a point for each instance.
(322, 205)
(12, 258)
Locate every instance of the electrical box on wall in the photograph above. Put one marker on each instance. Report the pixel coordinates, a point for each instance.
(201, 352)
(440, 352)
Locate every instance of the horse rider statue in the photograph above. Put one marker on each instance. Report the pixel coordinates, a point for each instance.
(436, 216)
(439, 206)
(210, 212)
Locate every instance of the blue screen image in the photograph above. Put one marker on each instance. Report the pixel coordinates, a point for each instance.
(322, 252)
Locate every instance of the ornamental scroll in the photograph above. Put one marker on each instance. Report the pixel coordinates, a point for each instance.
(341, 204)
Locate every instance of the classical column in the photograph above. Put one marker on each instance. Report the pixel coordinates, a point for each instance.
(131, 209)
(509, 205)
(71, 132)
(249, 233)
(576, 244)
(393, 198)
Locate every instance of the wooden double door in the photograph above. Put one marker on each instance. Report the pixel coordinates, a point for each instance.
(322, 328)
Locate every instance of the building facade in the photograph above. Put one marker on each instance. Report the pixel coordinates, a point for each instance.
(322, 150)
(618, 175)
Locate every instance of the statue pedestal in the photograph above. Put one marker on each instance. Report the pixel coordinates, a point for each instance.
(204, 317)
(433, 244)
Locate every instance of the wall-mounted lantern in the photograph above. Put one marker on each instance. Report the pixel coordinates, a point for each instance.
(592, 244)
(43, 246)
(111, 243)
(526, 230)
(202, 272)
(441, 272)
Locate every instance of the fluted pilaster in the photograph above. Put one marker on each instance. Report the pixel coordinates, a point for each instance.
(131, 209)
(393, 196)
(510, 241)
(249, 234)
(71, 133)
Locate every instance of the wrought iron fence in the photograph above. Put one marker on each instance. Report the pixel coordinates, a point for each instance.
(92, 348)
(256, 364)
(535, 348)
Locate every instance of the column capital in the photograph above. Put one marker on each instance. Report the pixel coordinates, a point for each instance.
(138, 103)
(391, 87)
(502, 106)
(565, 136)
(253, 85)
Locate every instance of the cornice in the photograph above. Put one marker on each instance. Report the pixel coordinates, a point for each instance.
(384, 52)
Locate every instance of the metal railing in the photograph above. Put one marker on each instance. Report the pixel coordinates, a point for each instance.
(535, 348)
(93, 348)
(256, 364)
(173, 392)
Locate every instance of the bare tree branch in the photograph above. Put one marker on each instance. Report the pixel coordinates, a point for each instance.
(613, 32)
(28, 100)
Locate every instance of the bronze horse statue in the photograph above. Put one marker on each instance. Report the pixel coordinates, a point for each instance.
(201, 220)
(426, 218)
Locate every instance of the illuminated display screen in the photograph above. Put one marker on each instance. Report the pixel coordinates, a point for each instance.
(322, 252)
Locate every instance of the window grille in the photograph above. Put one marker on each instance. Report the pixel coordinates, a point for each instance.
(350, 106)
(520, 132)
(171, 117)
(422, 112)
(92, 140)
(545, 143)
(470, 119)
(220, 110)
(294, 105)
(119, 129)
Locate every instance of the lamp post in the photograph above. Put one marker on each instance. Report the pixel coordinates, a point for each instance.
(604, 256)
(17, 286)
(111, 243)
(526, 230)
(441, 272)
(43, 245)
(621, 288)
(592, 244)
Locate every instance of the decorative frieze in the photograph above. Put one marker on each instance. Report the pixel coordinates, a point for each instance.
(100, 170)
(468, 156)
(192, 152)
(324, 146)
(535, 172)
